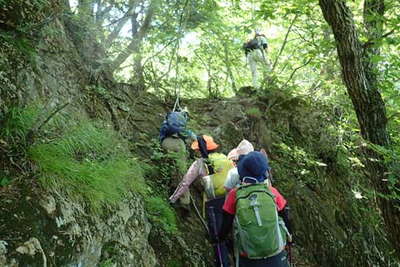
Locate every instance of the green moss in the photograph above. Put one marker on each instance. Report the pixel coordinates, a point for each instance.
(4, 181)
(174, 263)
(161, 214)
(254, 112)
(107, 263)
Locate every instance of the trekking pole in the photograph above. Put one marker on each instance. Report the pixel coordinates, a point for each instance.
(214, 225)
(263, 55)
(290, 255)
(198, 214)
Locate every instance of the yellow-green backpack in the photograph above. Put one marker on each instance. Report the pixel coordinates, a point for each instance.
(215, 182)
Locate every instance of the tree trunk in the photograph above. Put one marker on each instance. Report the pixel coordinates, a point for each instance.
(136, 42)
(360, 78)
(137, 57)
(85, 8)
(228, 66)
(114, 34)
(88, 47)
(66, 5)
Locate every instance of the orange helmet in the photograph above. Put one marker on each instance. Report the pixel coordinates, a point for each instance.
(211, 145)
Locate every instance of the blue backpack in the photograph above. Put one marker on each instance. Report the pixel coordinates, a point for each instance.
(174, 123)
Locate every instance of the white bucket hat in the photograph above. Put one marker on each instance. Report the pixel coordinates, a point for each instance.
(243, 148)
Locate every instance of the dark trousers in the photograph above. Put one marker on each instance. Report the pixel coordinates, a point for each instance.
(214, 221)
(279, 260)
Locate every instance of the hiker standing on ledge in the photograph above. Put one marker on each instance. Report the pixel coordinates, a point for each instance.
(256, 56)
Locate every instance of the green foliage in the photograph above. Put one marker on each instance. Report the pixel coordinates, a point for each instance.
(91, 161)
(160, 170)
(4, 181)
(168, 165)
(23, 16)
(174, 263)
(391, 159)
(254, 112)
(16, 122)
(161, 214)
(107, 263)
(86, 159)
(347, 219)
(20, 43)
(306, 165)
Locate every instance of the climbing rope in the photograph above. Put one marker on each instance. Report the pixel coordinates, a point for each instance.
(253, 11)
(182, 23)
(177, 106)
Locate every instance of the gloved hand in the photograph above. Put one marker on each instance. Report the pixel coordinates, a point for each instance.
(171, 201)
(289, 241)
(192, 135)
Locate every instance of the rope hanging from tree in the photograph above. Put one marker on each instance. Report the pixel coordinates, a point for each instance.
(182, 24)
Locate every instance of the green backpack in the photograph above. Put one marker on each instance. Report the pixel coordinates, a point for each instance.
(259, 232)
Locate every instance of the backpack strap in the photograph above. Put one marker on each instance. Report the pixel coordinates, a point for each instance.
(209, 166)
(202, 147)
(204, 154)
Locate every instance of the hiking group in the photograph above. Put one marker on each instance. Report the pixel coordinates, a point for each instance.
(238, 195)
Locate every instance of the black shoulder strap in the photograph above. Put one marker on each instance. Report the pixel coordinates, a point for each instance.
(209, 167)
(167, 115)
(202, 147)
(204, 153)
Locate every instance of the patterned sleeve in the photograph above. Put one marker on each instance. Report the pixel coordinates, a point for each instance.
(196, 170)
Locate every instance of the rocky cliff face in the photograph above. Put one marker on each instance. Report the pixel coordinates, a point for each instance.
(49, 229)
(48, 225)
(45, 226)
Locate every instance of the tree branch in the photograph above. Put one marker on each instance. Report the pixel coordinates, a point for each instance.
(284, 42)
(114, 34)
(30, 136)
(101, 14)
(85, 7)
(296, 69)
(394, 115)
(58, 109)
(370, 43)
(160, 51)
